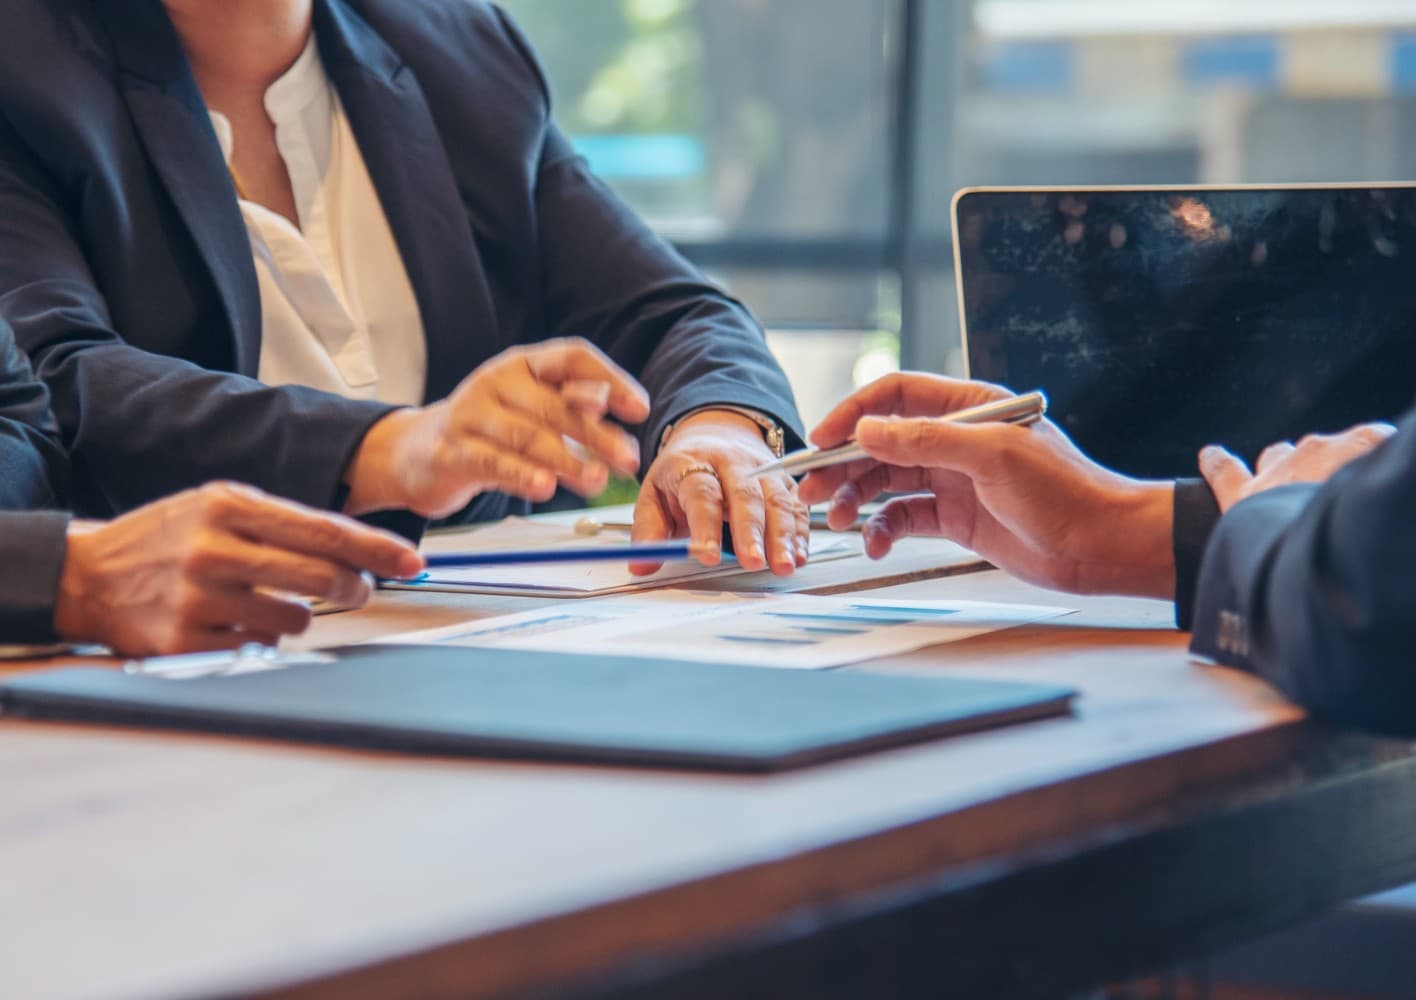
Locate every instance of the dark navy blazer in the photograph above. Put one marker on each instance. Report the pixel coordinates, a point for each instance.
(127, 275)
(33, 470)
(1314, 588)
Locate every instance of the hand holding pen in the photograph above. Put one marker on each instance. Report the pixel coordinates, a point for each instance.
(1022, 497)
(1023, 410)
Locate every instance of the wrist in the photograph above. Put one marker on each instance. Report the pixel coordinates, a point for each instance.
(710, 416)
(77, 614)
(711, 420)
(1141, 560)
(374, 476)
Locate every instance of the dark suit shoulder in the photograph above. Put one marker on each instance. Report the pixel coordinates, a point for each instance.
(60, 103)
(45, 41)
(483, 86)
(443, 33)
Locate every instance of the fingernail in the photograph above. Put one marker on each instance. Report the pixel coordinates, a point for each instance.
(543, 481)
(596, 395)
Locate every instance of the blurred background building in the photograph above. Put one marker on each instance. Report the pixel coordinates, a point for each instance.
(805, 152)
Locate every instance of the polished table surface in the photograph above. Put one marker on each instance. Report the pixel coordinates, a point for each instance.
(1183, 807)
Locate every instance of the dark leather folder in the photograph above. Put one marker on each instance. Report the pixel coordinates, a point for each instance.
(548, 706)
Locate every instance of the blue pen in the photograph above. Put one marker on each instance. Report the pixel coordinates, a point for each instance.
(647, 552)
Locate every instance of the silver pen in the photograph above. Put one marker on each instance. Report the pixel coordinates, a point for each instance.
(1028, 408)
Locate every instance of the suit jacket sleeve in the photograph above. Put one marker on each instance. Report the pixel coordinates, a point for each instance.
(34, 470)
(141, 425)
(1311, 587)
(32, 552)
(1196, 513)
(610, 279)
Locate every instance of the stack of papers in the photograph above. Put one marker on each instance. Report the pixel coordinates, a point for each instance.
(774, 630)
(584, 579)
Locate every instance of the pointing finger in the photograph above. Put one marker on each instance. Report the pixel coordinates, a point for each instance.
(908, 394)
(561, 361)
(936, 444)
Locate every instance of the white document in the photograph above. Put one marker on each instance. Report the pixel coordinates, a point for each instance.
(796, 631)
(584, 579)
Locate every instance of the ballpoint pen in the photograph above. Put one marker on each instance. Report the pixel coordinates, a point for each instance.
(1025, 409)
(644, 551)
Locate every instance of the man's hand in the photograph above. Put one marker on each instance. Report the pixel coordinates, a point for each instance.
(1313, 460)
(700, 480)
(527, 419)
(1024, 498)
(215, 568)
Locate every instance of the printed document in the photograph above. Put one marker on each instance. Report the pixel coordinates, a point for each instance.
(772, 630)
(583, 579)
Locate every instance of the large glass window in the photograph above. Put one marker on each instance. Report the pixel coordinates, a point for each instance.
(759, 137)
(805, 152)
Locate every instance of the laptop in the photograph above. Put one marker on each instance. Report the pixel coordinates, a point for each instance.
(1162, 319)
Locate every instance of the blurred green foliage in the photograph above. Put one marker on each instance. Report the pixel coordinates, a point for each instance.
(619, 66)
(621, 489)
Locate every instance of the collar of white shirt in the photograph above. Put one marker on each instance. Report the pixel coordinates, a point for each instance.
(338, 311)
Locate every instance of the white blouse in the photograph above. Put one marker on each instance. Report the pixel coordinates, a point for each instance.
(338, 312)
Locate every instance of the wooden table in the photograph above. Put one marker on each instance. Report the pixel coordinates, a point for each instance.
(1182, 809)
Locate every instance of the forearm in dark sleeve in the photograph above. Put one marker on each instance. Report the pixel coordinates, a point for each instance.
(1196, 512)
(34, 469)
(32, 548)
(1311, 587)
(157, 425)
(141, 424)
(613, 281)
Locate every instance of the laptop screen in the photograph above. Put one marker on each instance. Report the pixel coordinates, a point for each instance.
(1160, 321)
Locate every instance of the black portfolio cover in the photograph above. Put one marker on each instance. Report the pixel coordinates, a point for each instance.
(549, 706)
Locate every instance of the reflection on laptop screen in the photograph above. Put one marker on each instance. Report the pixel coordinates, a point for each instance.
(1161, 321)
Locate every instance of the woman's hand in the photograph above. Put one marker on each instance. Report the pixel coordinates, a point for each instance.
(215, 568)
(1024, 498)
(701, 479)
(526, 420)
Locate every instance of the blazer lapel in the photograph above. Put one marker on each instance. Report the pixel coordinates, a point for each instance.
(171, 119)
(408, 163)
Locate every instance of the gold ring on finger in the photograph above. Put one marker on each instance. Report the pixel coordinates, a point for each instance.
(693, 470)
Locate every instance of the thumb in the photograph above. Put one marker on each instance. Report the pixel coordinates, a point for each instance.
(1226, 474)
